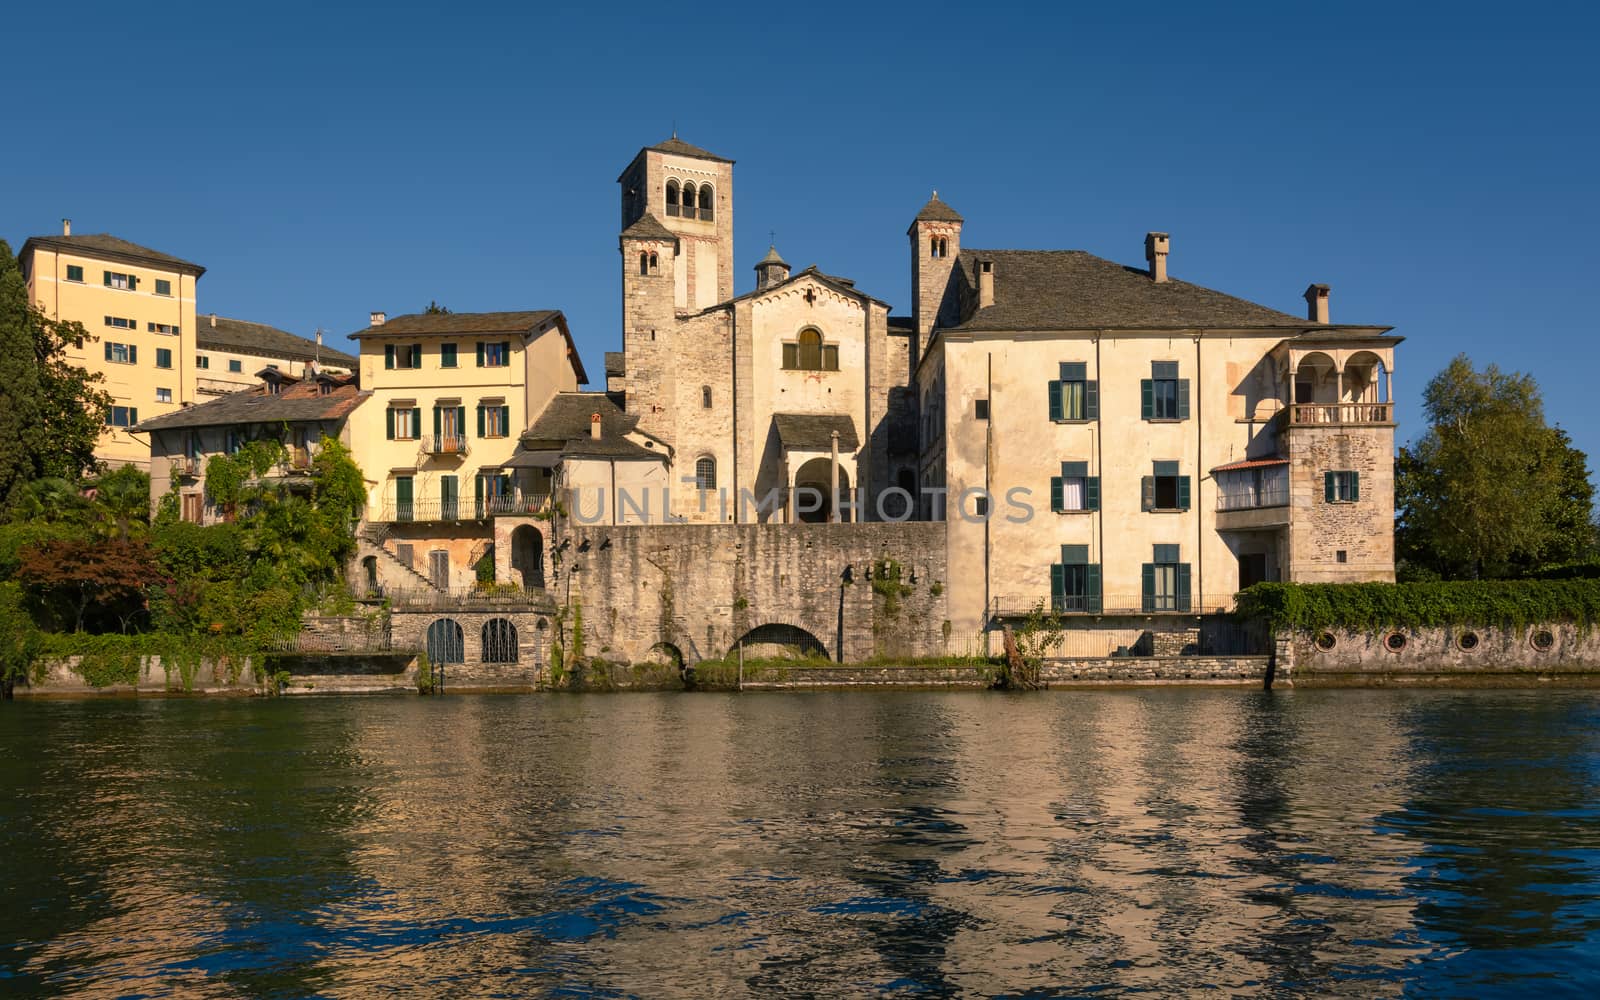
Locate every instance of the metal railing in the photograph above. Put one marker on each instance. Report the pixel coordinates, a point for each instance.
(501, 595)
(1015, 606)
(396, 511)
(1248, 498)
(1341, 413)
(444, 444)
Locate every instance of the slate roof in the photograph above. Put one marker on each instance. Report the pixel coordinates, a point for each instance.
(648, 227)
(677, 145)
(845, 285)
(1075, 290)
(616, 363)
(112, 247)
(772, 257)
(470, 324)
(564, 424)
(937, 211)
(813, 431)
(219, 333)
(902, 324)
(299, 401)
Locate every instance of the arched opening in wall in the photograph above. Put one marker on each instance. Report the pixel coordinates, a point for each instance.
(813, 488)
(644, 263)
(902, 508)
(672, 197)
(779, 641)
(667, 655)
(445, 642)
(655, 263)
(527, 556)
(706, 210)
(688, 201)
(1316, 380)
(705, 474)
(499, 641)
(1363, 378)
(705, 397)
(369, 569)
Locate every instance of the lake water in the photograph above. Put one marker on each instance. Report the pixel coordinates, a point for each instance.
(1360, 843)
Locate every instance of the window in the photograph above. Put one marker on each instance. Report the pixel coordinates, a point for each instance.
(447, 355)
(74, 272)
(1075, 581)
(122, 323)
(1164, 396)
(163, 395)
(1074, 489)
(1166, 581)
(810, 354)
(1341, 555)
(655, 264)
(705, 397)
(163, 286)
(705, 474)
(980, 409)
(167, 328)
(1341, 487)
(122, 416)
(493, 421)
(236, 366)
(938, 246)
(116, 279)
(672, 198)
(644, 263)
(1073, 396)
(402, 355)
(202, 361)
(1164, 489)
(706, 209)
(499, 641)
(122, 354)
(401, 423)
(191, 444)
(688, 201)
(404, 508)
(232, 441)
(494, 355)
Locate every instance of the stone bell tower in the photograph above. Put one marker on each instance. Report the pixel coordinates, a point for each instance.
(690, 192)
(935, 244)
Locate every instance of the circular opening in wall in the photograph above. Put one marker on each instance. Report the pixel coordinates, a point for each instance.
(1543, 640)
(1325, 641)
(1468, 641)
(1394, 642)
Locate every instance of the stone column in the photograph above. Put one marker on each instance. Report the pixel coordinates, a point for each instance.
(833, 473)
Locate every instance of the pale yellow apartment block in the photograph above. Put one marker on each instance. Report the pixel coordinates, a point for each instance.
(138, 307)
(231, 353)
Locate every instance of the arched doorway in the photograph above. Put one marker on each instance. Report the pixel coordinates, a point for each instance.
(780, 641)
(813, 482)
(369, 568)
(527, 556)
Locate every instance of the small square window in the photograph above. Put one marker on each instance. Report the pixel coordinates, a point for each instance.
(980, 506)
(202, 361)
(163, 286)
(980, 409)
(1341, 556)
(163, 395)
(163, 357)
(74, 272)
(236, 366)
(447, 355)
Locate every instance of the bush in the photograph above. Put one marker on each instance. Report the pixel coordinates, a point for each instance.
(1375, 606)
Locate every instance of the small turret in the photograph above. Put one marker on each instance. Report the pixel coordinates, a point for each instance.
(773, 270)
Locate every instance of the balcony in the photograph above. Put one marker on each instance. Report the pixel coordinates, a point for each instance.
(1019, 606)
(444, 444)
(188, 467)
(1346, 414)
(430, 511)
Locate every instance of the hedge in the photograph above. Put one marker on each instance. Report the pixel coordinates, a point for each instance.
(1372, 606)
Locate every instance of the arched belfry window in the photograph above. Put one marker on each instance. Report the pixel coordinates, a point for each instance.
(655, 263)
(672, 197)
(808, 353)
(938, 246)
(688, 200)
(705, 396)
(705, 202)
(644, 263)
(705, 474)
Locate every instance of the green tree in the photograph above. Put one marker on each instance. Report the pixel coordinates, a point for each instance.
(1475, 493)
(19, 638)
(435, 309)
(55, 411)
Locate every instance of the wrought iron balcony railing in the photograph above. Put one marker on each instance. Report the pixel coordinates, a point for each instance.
(469, 509)
(444, 444)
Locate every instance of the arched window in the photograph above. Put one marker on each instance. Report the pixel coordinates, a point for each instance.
(445, 643)
(705, 474)
(810, 350)
(672, 197)
(809, 354)
(688, 201)
(655, 263)
(499, 641)
(705, 202)
(938, 246)
(644, 263)
(705, 397)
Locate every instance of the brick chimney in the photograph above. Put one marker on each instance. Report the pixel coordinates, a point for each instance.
(1317, 303)
(378, 318)
(985, 283)
(594, 426)
(66, 227)
(1155, 251)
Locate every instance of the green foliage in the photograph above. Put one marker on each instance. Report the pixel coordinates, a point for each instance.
(435, 309)
(577, 632)
(1488, 491)
(54, 412)
(1377, 606)
(100, 585)
(887, 584)
(19, 637)
(424, 673)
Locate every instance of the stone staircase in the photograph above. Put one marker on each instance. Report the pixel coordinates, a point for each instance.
(374, 541)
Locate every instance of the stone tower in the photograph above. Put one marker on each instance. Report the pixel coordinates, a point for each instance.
(690, 192)
(935, 244)
(649, 263)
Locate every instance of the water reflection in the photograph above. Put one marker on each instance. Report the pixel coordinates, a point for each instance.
(1355, 843)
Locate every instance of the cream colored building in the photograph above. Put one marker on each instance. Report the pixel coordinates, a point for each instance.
(230, 352)
(138, 306)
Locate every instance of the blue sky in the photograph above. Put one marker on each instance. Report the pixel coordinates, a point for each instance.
(1434, 165)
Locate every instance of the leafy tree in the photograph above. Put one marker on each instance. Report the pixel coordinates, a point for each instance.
(19, 638)
(97, 585)
(122, 502)
(55, 411)
(435, 309)
(1487, 490)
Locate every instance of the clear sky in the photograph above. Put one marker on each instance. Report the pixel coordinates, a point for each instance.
(1435, 164)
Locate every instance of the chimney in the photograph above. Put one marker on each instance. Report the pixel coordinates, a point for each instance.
(66, 227)
(1155, 251)
(1317, 303)
(985, 283)
(594, 426)
(378, 318)
(213, 321)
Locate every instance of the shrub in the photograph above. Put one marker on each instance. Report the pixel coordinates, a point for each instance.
(1374, 606)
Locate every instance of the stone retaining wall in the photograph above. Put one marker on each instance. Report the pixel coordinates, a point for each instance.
(1460, 655)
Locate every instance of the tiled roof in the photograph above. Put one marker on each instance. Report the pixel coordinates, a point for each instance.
(648, 227)
(1074, 290)
(299, 401)
(106, 245)
(564, 425)
(937, 211)
(219, 333)
(814, 431)
(1251, 463)
(440, 324)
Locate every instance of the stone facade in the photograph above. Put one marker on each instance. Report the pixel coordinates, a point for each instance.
(1335, 542)
(1462, 655)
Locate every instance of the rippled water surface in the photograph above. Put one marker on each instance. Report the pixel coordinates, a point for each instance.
(1063, 843)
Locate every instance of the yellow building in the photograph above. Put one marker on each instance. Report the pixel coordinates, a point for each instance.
(139, 306)
(229, 353)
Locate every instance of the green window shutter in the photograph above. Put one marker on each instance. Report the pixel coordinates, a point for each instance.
(1147, 399)
(108, 350)
(416, 420)
(1355, 486)
(1093, 602)
(1055, 494)
(402, 490)
(480, 420)
(505, 352)
(479, 346)
(133, 354)
(436, 428)
(1147, 500)
(1184, 603)
(1330, 489)
(1055, 400)
(1058, 587)
(416, 355)
(133, 415)
(388, 355)
(388, 424)
(461, 421)
(477, 494)
(791, 356)
(1147, 577)
(1183, 492)
(505, 420)
(1183, 399)
(133, 282)
(1091, 493)
(1091, 400)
